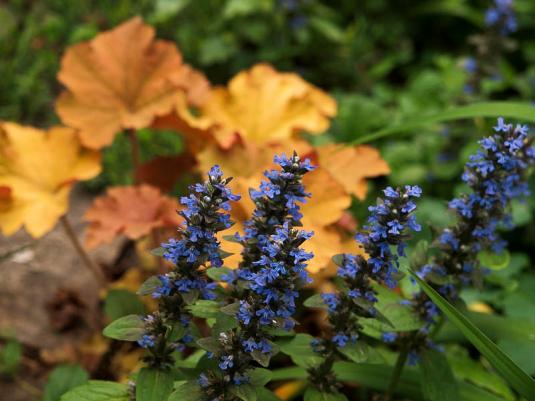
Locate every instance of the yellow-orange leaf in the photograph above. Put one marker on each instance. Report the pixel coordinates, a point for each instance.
(132, 210)
(123, 78)
(264, 105)
(37, 171)
(351, 166)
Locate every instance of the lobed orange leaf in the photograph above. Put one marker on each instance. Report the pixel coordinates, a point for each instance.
(351, 166)
(131, 210)
(163, 172)
(39, 168)
(121, 79)
(263, 105)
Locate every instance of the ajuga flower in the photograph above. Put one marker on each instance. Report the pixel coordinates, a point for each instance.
(389, 222)
(270, 276)
(496, 175)
(501, 16)
(205, 214)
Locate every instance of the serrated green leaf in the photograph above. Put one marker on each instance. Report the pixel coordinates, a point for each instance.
(97, 390)
(127, 328)
(62, 379)
(120, 302)
(437, 381)
(154, 384)
(515, 376)
(149, 286)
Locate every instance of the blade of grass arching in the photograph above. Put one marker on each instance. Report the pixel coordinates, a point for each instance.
(524, 112)
(515, 376)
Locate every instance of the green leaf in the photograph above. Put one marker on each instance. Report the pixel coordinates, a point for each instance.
(127, 328)
(231, 309)
(515, 376)
(438, 383)
(149, 286)
(315, 301)
(261, 358)
(215, 273)
(186, 391)
(338, 260)
(519, 111)
(10, 357)
(259, 377)
(266, 395)
(153, 384)
(97, 390)
(357, 352)
(244, 392)
(191, 361)
(231, 238)
(300, 350)
(494, 261)
(62, 379)
(119, 303)
(209, 344)
(160, 251)
(313, 394)
(204, 308)
(190, 297)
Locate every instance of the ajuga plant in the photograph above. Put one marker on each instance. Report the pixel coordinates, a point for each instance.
(205, 213)
(217, 332)
(496, 175)
(491, 44)
(267, 281)
(383, 241)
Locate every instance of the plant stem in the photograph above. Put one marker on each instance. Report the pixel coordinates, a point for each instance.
(396, 374)
(95, 269)
(134, 146)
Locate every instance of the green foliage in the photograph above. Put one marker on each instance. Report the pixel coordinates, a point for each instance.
(119, 303)
(126, 328)
(153, 384)
(62, 379)
(10, 357)
(438, 383)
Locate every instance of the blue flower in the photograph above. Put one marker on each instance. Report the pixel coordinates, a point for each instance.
(501, 16)
(389, 337)
(226, 362)
(147, 341)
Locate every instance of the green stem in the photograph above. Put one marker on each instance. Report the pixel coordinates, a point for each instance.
(396, 373)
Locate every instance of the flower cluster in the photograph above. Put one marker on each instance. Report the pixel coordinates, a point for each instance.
(388, 226)
(496, 174)
(271, 274)
(205, 214)
(501, 16)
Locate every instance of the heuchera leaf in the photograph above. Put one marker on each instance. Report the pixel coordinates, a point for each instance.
(37, 172)
(123, 78)
(362, 161)
(163, 172)
(264, 105)
(132, 210)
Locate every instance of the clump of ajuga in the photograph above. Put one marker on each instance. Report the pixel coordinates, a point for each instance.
(269, 277)
(496, 175)
(491, 44)
(384, 241)
(205, 213)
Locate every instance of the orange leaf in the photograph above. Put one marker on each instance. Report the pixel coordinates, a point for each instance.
(350, 166)
(132, 210)
(163, 172)
(39, 168)
(123, 78)
(264, 105)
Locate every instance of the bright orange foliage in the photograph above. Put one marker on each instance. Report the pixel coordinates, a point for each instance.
(133, 211)
(263, 105)
(37, 171)
(123, 78)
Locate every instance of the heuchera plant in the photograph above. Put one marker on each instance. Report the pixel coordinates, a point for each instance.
(239, 320)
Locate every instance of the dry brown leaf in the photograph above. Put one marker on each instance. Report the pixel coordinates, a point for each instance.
(133, 211)
(123, 78)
